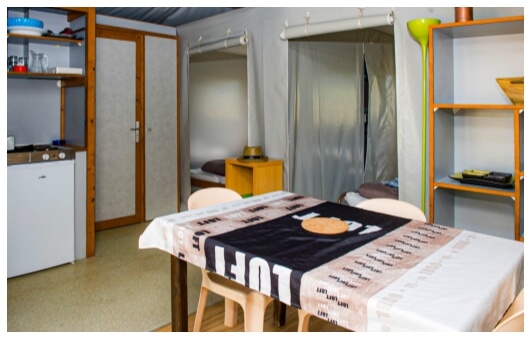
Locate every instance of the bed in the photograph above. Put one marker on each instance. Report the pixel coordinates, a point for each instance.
(210, 174)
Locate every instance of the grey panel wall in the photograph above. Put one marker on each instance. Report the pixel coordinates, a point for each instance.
(160, 126)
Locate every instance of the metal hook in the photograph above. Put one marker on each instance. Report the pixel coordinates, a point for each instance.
(227, 37)
(306, 19)
(199, 43)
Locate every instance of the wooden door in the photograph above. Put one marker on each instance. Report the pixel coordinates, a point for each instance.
(119, 121)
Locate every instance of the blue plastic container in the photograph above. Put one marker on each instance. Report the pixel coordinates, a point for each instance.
(24, 22)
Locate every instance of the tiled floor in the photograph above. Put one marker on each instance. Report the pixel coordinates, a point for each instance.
(121, 288)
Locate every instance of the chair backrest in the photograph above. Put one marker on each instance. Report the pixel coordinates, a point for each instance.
(513, 319)
(211, 196)
(393, 207)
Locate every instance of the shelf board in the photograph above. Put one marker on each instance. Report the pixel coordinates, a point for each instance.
(477, 107)
(452, 184)
(50, 40)
(53, 76)
(485, 27)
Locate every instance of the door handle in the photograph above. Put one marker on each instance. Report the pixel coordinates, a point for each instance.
(137, 131)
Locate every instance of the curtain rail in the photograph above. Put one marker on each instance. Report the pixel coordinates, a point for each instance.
(361, 22)
(213, 46)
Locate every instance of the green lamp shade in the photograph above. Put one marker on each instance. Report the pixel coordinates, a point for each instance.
(419, 28)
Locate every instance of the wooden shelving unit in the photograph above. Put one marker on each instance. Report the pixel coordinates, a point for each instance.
(85, 58)
(22, 39)
(473, 125)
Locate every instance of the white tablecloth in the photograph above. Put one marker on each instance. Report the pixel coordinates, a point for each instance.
(413, 276)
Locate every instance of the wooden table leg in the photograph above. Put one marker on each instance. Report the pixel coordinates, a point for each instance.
(179, 295)
(279, 313)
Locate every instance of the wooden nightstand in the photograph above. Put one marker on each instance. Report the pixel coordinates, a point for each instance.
(253, 178)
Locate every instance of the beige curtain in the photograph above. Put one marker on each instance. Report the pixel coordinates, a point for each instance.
(381, 161)
(326, 119)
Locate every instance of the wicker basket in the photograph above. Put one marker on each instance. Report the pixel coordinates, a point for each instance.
(513, 88)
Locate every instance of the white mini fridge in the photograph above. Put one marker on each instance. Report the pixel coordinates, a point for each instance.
(40, 216)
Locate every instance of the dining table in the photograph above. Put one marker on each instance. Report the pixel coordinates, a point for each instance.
(379, 273)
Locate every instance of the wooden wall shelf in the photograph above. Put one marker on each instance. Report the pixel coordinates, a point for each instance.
(473, 125)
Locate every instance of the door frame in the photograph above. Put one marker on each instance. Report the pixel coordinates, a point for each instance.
(116, 33)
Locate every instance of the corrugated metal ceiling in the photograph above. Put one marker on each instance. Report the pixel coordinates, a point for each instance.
(169, 16)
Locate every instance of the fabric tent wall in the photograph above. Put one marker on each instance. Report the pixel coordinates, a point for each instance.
(217, 101)
(268, 78)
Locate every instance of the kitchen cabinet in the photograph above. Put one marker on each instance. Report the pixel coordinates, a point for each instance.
(253, 178)
(40, 105)
(474, 126)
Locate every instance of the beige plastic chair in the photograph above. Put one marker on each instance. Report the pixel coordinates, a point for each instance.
(253, 303)
(383, 205)
(513, 319)
(211, 196)
(393, 207)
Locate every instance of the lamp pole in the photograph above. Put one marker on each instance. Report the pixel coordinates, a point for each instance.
(420, 29)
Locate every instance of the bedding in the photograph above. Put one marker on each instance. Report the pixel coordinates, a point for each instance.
(371, 190)
(215, 166)
(210, 174)
(353, 198)
(207, 176)
(206, 179)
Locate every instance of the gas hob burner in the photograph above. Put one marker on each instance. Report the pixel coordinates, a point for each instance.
(39, 153)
